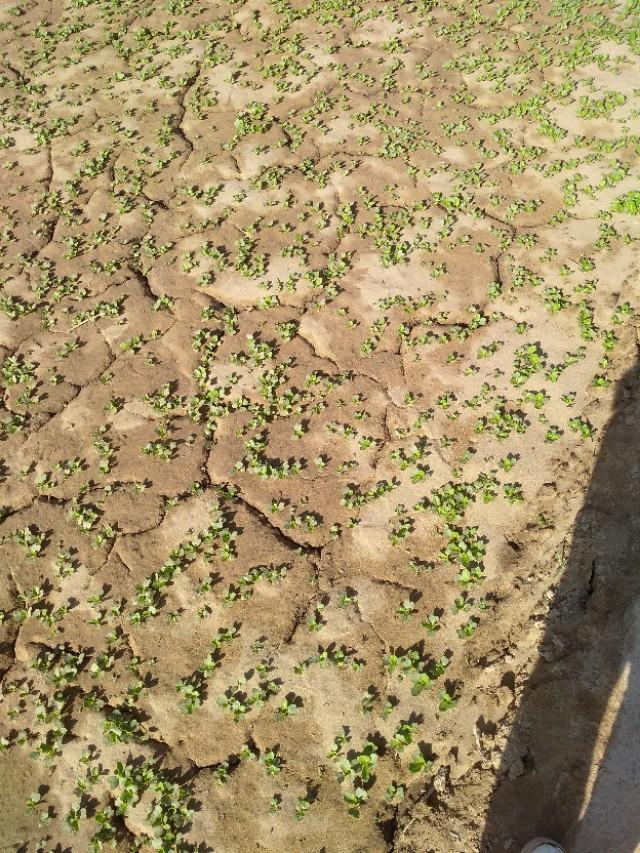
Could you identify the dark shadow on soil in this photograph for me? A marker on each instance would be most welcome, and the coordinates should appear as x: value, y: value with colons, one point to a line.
x: 591, y: 640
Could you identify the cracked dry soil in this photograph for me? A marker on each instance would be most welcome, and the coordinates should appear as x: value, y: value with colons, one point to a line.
x: 313, y: 317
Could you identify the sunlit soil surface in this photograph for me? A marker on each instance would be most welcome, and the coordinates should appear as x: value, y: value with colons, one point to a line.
x: 312, y: 318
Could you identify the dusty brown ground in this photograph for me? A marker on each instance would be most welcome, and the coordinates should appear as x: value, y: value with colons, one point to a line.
x: 313, y: 320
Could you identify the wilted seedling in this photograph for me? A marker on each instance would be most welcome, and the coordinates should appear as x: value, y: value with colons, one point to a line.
x: 367, y: 702
x: 468, y: 629
x: 221, y: 773
x: 288, y: 707
x: 406, y: 609
x: 394, y: 792
x: 31, y: 540
x: 419, y: 764
x: 191, y: 693
x: 355, y: 800
x: 363, y: 764
x: 528, y: 360
x: 421, y: 682
x: 347, y: 598
x: 431, y: 623
x: 402, y: 737
x: 302, y: 807
x: 272, y: 762
x: 447, y: 701
x: 582, y: 426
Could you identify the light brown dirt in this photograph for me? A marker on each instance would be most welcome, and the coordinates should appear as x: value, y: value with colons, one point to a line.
x: 269, y: 276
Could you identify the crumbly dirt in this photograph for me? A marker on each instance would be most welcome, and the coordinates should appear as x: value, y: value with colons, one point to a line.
x: 318, y: 442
